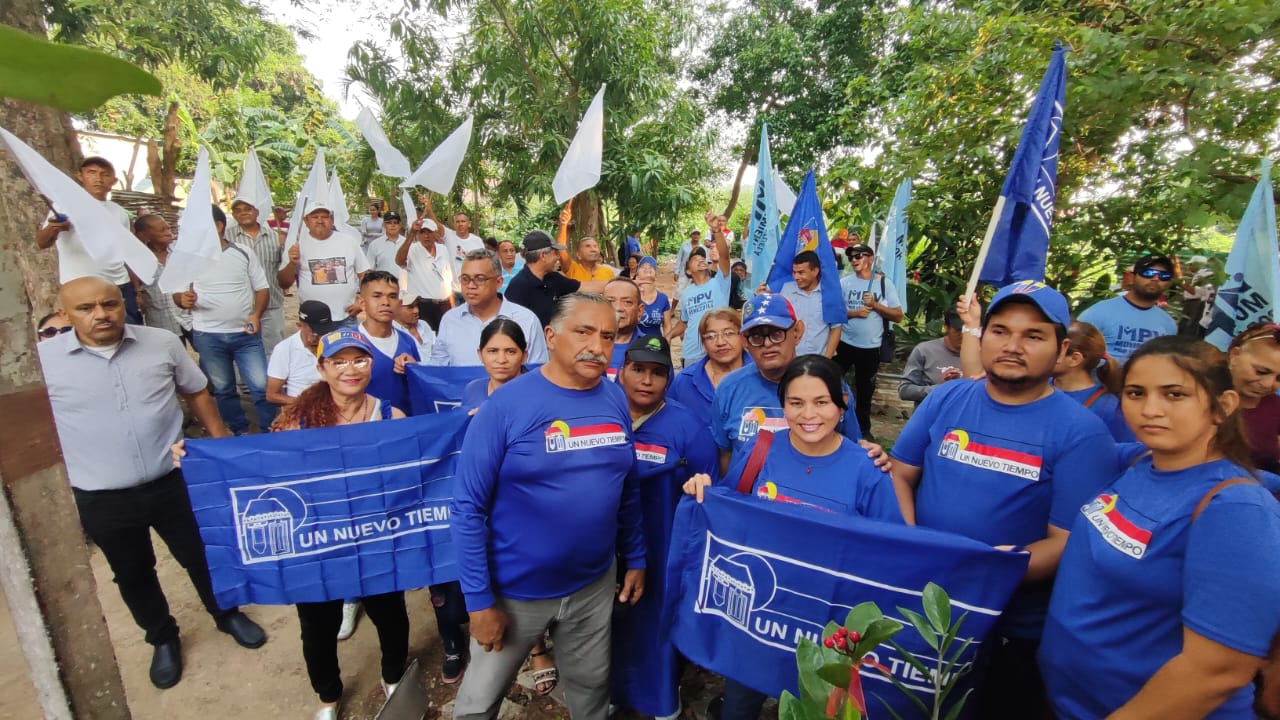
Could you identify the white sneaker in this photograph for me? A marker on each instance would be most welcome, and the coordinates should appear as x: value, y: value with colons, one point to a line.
x: 389, y: 688
x: 349, y: 613
x: 327, y: 712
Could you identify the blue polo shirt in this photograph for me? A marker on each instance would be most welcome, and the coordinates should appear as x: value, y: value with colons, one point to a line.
x: 692, y: 388
x: 1001, y: 474
x: 1137, y: 570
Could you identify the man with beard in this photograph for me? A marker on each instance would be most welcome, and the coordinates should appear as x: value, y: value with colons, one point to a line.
x: 1008, y: 460
x: 1134, y: 318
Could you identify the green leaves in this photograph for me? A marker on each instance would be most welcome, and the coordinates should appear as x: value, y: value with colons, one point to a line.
x: 72, y: 79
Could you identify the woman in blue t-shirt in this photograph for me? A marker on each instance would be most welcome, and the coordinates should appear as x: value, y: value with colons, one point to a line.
x: 656, y: 306
x: 1088, y: 375
x: 809, y: 464
x: 1164, y: 603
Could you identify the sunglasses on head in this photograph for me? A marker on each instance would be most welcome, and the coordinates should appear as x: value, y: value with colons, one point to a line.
x: 1164, y: 275
x: 51, y: 331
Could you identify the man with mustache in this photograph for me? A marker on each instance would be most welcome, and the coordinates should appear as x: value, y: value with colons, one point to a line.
x: 550, y: 440
x: 1008, y: 460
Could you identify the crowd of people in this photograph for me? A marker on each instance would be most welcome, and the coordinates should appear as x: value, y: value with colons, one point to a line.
x: 1131, y: 465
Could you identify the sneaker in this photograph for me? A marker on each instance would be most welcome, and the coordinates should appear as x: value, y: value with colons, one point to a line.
x: 349, y: 613
x: 327, y: 712
x: 389, y: 688
x: 453, y: 668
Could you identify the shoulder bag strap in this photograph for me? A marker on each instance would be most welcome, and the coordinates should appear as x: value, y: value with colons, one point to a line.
x: 1204, y: 501
x: 1094, y: 397
x: 764, y: 440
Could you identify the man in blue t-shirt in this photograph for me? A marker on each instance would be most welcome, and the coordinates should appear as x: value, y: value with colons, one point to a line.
x: 1008, y: 461
x: 1135, y: 317
x: 379, y: 298
x: 545, y: 497
x: 708, y: 289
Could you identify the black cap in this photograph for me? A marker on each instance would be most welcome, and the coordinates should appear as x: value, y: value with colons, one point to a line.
x: 1151, y: 260
x: 649, y: 348
x: 391, y: 216
x: 538, y: 240
x: 317, y: 317
x: 860, y: 248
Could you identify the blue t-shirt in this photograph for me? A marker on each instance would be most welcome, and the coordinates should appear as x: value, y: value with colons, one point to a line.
x: 475, y: 393
x: 651, y: 315
x: 1001, y: 474
x: 845, y: 482
x: 1137, y: 570
x: 633, y: 247
x: 866, y: 332
x: 692, y: 388
x: 747, y: 403
x: 385, y: 383
x: 616, y: 360
x: 536, y: 452
x: 508, y: 274
x: 695, y: 301
x: 1126, y: 326
x: 1106, y: 407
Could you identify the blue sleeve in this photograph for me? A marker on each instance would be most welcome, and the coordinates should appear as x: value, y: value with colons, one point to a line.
x: 1085, y: 466
x: 700, y: 453
x: 631, y: 544
x: 877, y: 500
x: 913, y: 441
x: 1231, y: 575
x: 720, y: 418
x: 850, y: 427
x: 737, y: 466
x: 474, y: 488
x: 1128, y: 454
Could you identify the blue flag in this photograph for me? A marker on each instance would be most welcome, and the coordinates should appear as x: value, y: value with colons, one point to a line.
x: 1020, y: 242
x: 438, y: 388
x: 326, y: 514
x: 762, y: 238
x: 892, y: 252
x: 807, y: 230
x: 1251, y: 292
x: 755, y: 577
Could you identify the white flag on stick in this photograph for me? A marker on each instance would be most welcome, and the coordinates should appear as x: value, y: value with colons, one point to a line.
x: 786, y: 199
x: 410, y: 210
x: 315, y: 186
x: 341, y: 215
x: 390, y: 160
x: 99, y: 230
x: 198, y: 244
x: 440, y: 169
x: 253, y: 187
x: 580, y: 169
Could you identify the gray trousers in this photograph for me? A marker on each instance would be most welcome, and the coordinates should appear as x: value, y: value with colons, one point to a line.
x: 582, y: 639
x: 272, y: 330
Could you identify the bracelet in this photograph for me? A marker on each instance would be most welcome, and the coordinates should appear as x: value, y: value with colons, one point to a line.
x: 976, y: 331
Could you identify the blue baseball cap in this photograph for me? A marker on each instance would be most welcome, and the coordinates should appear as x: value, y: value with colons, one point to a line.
x: 768, y: 309
x: 1051, y: 302
x: 647, y: 260
x: 331, y: 343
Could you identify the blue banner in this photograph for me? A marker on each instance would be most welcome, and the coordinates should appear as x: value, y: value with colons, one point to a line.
x: 755, y: 577
x: 762, y: 237
x: 1251, y: 292
x: 437, y: 389
x: 1020, y: 242
x: 326, y: 514
x: 892, y: 252
x: 807, y: 230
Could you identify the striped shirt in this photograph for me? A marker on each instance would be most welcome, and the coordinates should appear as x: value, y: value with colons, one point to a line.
x: 162, y: 312
x: 267, y: 249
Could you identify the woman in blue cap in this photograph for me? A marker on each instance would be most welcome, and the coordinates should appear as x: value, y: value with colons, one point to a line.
x: 655, y: 305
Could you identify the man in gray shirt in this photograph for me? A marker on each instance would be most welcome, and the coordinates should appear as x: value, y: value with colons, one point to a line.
x: 933, y: 362
x: 114, y: 392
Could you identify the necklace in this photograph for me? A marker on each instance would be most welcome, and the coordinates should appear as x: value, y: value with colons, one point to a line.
x: 360, y: 411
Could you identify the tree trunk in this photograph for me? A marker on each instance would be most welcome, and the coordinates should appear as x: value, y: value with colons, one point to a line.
x: 169, y: 158
x: 44, y: 564
x: 748, y: 154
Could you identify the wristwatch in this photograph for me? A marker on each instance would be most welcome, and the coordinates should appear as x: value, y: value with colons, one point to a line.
x: 974, y: 331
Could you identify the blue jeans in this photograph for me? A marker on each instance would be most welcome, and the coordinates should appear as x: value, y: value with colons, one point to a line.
x: 220, y: 355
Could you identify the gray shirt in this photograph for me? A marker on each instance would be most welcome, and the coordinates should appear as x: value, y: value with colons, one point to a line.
x: 118, y: 417
x: 266, y: 248
x: 923, y: 371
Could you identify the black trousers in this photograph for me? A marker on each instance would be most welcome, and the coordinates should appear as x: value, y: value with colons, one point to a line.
x: 1013, y: 688
x: 865, y: 363
x: 320, y: 622
x: 432, y: 311
x: 120, y: 521
x: 451, y: 614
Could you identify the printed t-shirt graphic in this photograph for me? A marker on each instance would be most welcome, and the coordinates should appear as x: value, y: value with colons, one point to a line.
x: 958, y: 446
x: 328, y: 271
x: 561, y: 437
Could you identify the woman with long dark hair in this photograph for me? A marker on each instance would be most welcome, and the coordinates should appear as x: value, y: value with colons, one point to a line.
x: 502, y: 352
x: 1088, y: 375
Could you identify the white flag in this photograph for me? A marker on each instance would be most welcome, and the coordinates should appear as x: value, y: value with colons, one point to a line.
x: 786, y: 199
x: 313, y: 188
x: 253, y: 187
x: 390, y: 160
x: 440, y: 169
x: 198, y: 244
x: 580, y: 169
x: 341, y: 216
x: 410, y: 211
x: 99, y: 230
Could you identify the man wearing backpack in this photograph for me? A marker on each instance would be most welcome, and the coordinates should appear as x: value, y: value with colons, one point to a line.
x: 871, y: 303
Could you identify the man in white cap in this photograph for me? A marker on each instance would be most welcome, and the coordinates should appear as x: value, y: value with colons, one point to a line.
x: 264, y: 244
x: 327, y: 265
x: 428, y: 269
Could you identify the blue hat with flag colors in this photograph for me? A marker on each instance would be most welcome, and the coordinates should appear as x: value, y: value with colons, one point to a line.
x: 1051, y: 302
x: 768, y: 309
x: 331, y: 343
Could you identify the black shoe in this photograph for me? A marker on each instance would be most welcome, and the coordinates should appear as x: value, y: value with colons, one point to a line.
x: 166, y: 664
x: 245, y: 631
x: 453, y: 667
x: 714, y: 707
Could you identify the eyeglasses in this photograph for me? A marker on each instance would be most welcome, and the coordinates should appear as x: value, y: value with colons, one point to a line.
x: 774, y: 336
x: 51, y: 331
x: 359, y: 363
x: 725, y: 335
x: 474, y: 279
x: 1164, y: 275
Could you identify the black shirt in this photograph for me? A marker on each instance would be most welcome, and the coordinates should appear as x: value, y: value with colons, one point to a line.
x: 540, y: 295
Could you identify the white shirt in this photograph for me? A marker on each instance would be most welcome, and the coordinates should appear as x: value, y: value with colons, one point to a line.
x: 224, y: 292
x: 329, y: 270
x: 382, y: 254
x: 74, y: 261
x: 386, y: 345
x: 458, y: 248
x: 459, y: 338
x: 429, y: 276
x: 426, y: 333
x: 295, y: 364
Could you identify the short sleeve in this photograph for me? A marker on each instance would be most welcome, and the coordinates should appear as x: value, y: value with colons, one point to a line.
x: 876, y: 498
x: 187, y: 375
x: 278, y: 363
x: 720, y: 418
x: 913, y: 441
x: 565, y: 285
x: 1085, y: 466
x: 257, y: 278
x: 891, y: 298
x: 1232, y: 570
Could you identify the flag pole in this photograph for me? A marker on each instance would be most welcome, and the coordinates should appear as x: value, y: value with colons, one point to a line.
x: 986, y: 247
